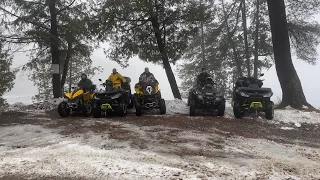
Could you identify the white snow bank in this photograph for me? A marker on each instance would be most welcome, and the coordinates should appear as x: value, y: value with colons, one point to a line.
x: 45, y: 105
x: 14, y: 99
x: 177, y: 106
x: 297, y: 117
x: 228, y: 113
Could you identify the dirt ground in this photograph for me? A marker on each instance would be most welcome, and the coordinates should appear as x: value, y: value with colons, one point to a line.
x: 307, y: 134
x: 165, y: 131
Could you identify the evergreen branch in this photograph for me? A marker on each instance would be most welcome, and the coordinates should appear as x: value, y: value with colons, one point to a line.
x: 24, y: 19
x: 132, y: 20
x: 65, y: 8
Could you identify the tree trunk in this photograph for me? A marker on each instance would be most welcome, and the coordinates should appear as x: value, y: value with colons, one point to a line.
x: 256, y: 42
x: 70, y: 75
x: 245, y: 33
x: 202, y: 35
x: 54, y: 50
x: 292, y: 92
x: 165, y: 59
x: 66, y: 64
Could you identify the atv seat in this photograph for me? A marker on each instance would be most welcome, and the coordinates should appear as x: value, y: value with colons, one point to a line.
x: 254, y: 90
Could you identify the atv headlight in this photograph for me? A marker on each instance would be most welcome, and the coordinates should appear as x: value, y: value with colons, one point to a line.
x: 269, y: 94
x: 200, y: 97
x: 244, y: 94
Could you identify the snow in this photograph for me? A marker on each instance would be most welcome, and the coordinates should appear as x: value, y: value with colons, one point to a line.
x: 177, y: 106
x: 286, y: 128
x: 40, y: 106
x: 296, y: 117
x: 14, y: 99
x: 38, y: 152
x: 228, y: 113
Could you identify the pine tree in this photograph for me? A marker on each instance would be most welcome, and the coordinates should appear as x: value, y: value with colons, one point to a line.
x: 7, y: 75
x: 156, y: 31
x: 292, y: 92
x: 34, y: 24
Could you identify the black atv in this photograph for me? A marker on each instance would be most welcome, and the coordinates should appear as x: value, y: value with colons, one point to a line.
x: 249, y: 96
x: 148, y: 96
x: 206, y: 98
x: 111, y: 100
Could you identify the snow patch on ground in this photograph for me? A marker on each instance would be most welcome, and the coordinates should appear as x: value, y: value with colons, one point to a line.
x: 286, y: 128
x: 228, y: 113
x: 296, y: 117
x: 177, y: 106
x: 40, y: 106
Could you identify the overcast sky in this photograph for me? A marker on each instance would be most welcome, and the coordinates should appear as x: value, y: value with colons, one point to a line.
x: 24, y: 88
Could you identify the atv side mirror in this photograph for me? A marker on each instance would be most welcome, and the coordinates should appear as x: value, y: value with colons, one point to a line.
x: 261, y: 74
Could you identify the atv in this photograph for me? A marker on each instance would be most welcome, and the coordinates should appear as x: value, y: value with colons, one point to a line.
x: 148, y: 96
x: 112, y: 100
x: 206, y: 98
x: 249, y: 96
x: 78, y: 101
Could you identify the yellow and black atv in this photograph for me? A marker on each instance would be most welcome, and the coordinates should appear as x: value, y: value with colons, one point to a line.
x: 148, y: 96
x: 78, y: 101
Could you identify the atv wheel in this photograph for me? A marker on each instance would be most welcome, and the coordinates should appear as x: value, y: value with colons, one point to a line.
x: 192, y: 111
x: 122, y: 109
x: 162, y: 106
x: 131, y: 102
x: 138, y: 109
x: 221, y: 109
x: 63, y: 109
x: 270, y: 111
x: 96, y: 111
x: 237, y: 111
x: 87, y: 109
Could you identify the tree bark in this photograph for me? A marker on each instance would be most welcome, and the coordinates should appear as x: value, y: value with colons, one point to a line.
x: 292, y: 92
x: 165, y: 59
x: 256, y: 42
x: 66, y: 64
x: 245, y: 34
x: 70, y: 75
x: 54, y: 49
x: 202, y: 35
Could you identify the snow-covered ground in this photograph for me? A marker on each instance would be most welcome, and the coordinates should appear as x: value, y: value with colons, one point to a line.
x: 38, y: 152
x: 33, y: 151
